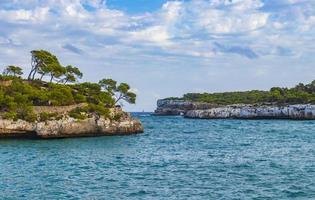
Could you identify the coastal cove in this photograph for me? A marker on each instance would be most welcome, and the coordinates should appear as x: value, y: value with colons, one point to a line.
x: 175, y: 158
x: 52, y: 103
x: 157, y: 100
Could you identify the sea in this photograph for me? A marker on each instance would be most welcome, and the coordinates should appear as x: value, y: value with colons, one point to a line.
x: 175, y: 158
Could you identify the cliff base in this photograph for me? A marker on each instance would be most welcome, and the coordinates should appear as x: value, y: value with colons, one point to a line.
x: 69, y: 127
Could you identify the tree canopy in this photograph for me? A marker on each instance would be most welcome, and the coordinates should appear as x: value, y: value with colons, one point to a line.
x: 300, y: 94
x: 18, y: 98
x: 45, y: 63
x: 72, y: 74
x: 13, y: 70
x: 121, y: 91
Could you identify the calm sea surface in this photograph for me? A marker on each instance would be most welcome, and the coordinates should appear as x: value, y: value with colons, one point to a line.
x: 175, y: 158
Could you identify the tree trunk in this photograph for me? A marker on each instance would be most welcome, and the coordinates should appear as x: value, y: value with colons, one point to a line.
x: 34, y: 73
x: 51, y: 78
x: 30, y: 74
x: 66, y: 81
x: 118, y: 99
x: 41, y: 78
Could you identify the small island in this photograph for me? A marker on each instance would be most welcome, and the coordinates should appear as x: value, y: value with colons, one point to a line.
x: 296, y: 103
x: 51, y: 103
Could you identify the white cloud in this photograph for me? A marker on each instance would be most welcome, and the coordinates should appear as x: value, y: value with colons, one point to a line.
x: 171, y: 28
x: 155, y: 34
x: 195, y: 37
x: 25, y: 16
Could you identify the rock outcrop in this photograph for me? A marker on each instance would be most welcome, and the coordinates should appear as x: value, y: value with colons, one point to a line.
x: 239, y: 111
x: 178, y: 107
x: 69, y: 127
x: 297, y: 112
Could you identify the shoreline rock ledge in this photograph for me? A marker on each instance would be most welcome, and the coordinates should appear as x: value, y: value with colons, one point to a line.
x: 238, y: 111
x: 69, y: 127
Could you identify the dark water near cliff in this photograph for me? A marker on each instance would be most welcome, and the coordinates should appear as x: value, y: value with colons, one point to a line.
x: 175, y: 158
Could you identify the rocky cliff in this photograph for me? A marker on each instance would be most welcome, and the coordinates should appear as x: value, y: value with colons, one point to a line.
x: 69, y: 127
x: 297, y: 112
x: 178, y: 107
x: 239, y: 111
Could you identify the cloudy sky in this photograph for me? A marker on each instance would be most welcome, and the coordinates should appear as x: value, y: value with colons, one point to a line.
x: 167, y: 48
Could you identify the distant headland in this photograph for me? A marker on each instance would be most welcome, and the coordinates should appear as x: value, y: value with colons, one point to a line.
x: 277, y: 103
x: 51, y: 103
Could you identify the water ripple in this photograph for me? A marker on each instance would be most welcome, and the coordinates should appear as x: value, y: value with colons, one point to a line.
x: 175, y: 158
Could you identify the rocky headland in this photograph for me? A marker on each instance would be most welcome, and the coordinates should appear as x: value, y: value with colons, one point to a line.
x: 236, y: 111
x: 66, y: 126
x: 51, y: 102
x: 178, y: 107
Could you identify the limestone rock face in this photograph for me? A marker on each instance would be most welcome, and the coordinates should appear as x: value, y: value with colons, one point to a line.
x: 237, y: 111
x: 69, y: 127
x: 178, y: 107
x: 298, y: 112
x: 20, y: 128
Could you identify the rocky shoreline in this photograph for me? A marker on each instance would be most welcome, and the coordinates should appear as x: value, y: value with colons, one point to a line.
x: 238, y: 111
x: 69, y: 127
x: 294, y: 112
x: 178, y: 107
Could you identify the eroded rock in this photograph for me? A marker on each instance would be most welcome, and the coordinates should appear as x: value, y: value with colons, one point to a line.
x: 298, y: 112
x: 69, y: 127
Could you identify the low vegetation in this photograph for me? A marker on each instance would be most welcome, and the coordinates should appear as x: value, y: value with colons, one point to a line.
x: 300, y: 94
x: 51, y: 84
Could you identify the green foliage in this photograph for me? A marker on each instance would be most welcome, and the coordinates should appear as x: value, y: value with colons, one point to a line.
x: 90, y: 110
x: 79, y: 98
x: 72, y: 74
x: 108, y: 85
x: 300, y: 94
x: 8, y: 77
x: 121, y: 91
x: 27, y: 115
x: 18, y: 96
x: 80, y: 116
x: 6, y: 102
x: 13, y: 70
x: 10, y: 115
x: 45, y: 63
x: 117, y: 117
x: 99, y: 110
x: 79, y: 113
x: 60, y: 95
x: 44, y: 116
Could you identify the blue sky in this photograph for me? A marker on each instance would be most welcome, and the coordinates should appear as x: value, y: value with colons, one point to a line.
x: 135, y: 6
x: 167, y: 48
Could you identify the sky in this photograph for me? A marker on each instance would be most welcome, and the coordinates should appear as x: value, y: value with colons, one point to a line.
x: 167, y: 48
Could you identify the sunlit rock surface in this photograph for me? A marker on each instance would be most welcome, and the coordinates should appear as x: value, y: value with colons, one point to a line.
x: 178, y: 107
x: 69, y: 127
x: 255, y: 112
x: 238, y: 111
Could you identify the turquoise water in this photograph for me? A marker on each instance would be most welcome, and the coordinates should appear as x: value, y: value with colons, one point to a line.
x: 175, y: 158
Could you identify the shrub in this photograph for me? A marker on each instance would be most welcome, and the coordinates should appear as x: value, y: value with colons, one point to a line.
x: 99, y: 110
x: 79, y: 113
x: 30, y: 117
x: 79, y: 98
x: 44, y: 116
x: 117, y: 117
x: 26, y: 113
x: 60, y: 95
x: 10, y: 115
